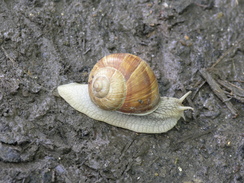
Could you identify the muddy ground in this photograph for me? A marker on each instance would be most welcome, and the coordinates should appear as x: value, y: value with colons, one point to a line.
x: 189, y: 44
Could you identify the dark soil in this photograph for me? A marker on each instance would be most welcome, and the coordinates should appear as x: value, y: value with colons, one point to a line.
x: 47, y: 43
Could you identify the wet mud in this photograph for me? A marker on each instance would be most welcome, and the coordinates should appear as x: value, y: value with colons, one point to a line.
x: 190, y: 45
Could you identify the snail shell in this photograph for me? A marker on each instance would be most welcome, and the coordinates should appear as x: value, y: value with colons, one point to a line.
x: 125, y: 83
x: 123, y: 91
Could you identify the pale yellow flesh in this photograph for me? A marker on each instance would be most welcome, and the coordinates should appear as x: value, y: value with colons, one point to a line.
x: 157, y: 122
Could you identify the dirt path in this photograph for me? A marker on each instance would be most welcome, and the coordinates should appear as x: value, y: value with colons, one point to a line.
x: 190, y: 46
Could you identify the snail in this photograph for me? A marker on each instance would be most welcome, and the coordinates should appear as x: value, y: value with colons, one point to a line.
x: 122, y: 90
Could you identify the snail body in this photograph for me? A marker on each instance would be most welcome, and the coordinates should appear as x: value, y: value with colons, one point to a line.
x: 122, y: 90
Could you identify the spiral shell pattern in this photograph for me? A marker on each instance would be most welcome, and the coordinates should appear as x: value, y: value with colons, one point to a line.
x: 125, y: 83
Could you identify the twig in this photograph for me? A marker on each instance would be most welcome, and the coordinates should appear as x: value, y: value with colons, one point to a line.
x: 226, y: 53
x: 218, y: 91
x: 235, y: 91
x: 197, y: 134
x: 198, y: 86
x: 7, y: 55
